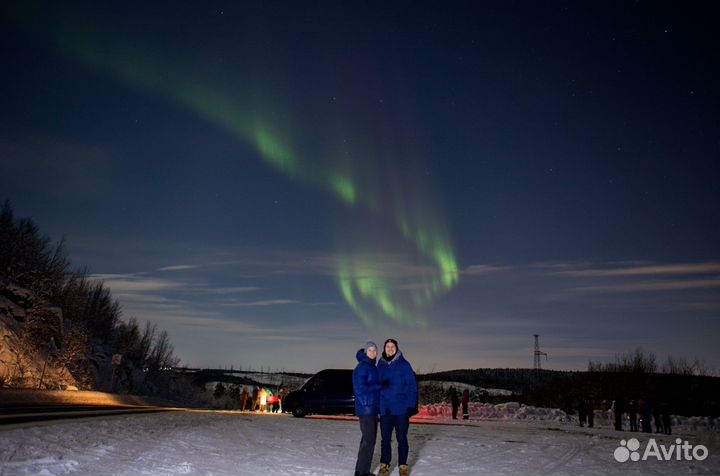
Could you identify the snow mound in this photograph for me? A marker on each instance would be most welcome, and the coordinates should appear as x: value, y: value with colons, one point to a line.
x: 500, y: 411
x: 459, y: 386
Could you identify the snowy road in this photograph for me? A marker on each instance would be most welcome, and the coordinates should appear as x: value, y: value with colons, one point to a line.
x: 207, y: 443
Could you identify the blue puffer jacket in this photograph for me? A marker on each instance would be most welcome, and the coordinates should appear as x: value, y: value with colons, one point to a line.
x: 402, y: 392
x: 366, y: 386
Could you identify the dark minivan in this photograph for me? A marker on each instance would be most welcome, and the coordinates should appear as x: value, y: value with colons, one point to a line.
x: 328, y: 392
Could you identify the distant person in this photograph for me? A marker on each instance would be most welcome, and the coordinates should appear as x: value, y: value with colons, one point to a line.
x: 263, y: 400
x: 590, y: 408
x: 633, y: 414
x: 454, y: 402
x: 255, y: 398
x: 276, y: 403
x: 582, y: 412
x: 658, y: 420
x: 270, y: 401
x: 244, y: 399
x: 281, y: 396
x: 398, y: 402
x: 465, y: 401
x: 665, y: 414
x: 366, y: 386
x: 617, y: 411
x: 645, y: 416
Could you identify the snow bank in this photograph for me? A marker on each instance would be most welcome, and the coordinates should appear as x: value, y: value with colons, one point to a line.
x: 500, y: 411
x: 459, y: 386
x: 519, y: 411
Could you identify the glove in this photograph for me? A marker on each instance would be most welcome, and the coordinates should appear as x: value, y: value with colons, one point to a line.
x: 412, y: 411
x: 385, y: 384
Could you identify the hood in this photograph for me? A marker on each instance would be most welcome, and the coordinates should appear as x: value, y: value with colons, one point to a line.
x: 361, y: 356
x: 398, y: 357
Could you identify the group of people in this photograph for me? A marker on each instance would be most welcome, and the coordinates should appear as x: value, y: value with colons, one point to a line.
x: 639, y: 410
x: 384, y: 387
x: 455, y: 403
x: 660, y: 414
x: 262, y: 400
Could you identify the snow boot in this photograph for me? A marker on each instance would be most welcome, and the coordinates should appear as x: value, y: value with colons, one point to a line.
x: 404, y: 470
x: 384, y: 469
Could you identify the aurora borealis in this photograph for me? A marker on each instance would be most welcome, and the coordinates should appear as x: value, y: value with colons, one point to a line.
x: 280, y: 174
x: 355, y: 176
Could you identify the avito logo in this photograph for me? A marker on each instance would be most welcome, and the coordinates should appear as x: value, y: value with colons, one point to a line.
x: 629, y: 450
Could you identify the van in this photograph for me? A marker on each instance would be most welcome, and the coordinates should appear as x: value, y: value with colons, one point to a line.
x: 328, y: 392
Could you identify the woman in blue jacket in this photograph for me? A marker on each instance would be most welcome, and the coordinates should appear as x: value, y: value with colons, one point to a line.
x: 398, y: 402
x: 367, y: 405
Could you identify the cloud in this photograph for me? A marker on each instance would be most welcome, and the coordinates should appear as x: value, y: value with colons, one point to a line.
x: 235, y: 290
x: 649, y: 286
x: 652, y: 270
x: 637, y: 277
x: 580, y: 352
x: 125, y: 285
x: 178, y: 267
x: 482, y: 269
x: 145, y: 298
x: 268, y: 302
x: 384, y: 265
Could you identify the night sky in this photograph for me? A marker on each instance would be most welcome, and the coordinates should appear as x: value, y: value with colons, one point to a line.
x: 275, y: 183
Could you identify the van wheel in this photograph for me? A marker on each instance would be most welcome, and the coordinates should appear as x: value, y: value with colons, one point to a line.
x: 299, y: 411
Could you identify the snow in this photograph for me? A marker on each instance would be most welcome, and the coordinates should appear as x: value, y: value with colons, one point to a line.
x: 504, y: 411
x: 242, y: 443
x: 459, y: 386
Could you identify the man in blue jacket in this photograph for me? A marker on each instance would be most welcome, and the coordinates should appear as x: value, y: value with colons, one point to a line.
x: 367, y: 405
x: 398, y: 402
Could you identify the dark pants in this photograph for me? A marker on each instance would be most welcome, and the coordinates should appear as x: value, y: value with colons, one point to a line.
x: 666, y: 424
x: 401, y: 424
x: 368, y: 427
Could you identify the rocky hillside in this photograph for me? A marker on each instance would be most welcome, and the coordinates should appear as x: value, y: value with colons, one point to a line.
x: 31, y: 332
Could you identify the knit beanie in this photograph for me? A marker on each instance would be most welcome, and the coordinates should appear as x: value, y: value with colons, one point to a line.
x: 393, y: 341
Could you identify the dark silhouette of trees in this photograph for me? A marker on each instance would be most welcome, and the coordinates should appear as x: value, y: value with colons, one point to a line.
x: 28, y: 259
x: 638, y: 361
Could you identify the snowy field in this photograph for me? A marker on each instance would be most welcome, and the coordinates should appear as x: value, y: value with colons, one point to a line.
x: 216, y: 443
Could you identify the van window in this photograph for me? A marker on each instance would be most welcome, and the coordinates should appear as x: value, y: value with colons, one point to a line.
x: 341, y: 382
x: 318, y: 383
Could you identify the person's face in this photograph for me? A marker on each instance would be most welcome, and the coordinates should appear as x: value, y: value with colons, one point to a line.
x: 372, y: 353
x: 390, y: 349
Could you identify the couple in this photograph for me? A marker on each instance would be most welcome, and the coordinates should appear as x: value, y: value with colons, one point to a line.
x: 390, y: 390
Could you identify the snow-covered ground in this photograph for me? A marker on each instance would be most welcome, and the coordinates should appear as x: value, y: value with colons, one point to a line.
x: 234, y: 443
x: 459, y: 386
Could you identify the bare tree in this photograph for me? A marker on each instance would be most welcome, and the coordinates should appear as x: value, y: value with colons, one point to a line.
x: 637, y: 361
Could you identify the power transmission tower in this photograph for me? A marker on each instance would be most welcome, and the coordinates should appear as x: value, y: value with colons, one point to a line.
x: 537, y: 365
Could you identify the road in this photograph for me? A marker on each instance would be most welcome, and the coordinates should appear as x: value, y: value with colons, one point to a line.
x: 15, y: 415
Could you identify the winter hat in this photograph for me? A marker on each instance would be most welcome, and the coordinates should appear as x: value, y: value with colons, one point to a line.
x: 393, y: 341
x: 370, y: 345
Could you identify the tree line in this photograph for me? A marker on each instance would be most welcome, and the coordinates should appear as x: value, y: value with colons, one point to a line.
x: 91, y: 317
x: 642, y: 361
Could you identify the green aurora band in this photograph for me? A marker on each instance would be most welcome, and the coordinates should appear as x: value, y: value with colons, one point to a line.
x: 425, y: 265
